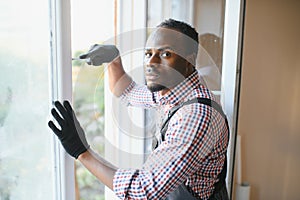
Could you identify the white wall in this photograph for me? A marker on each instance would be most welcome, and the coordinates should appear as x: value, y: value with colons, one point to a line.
x: 270, y: 96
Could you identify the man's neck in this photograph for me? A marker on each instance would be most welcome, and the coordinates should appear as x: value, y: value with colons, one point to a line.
x: 165, y: 91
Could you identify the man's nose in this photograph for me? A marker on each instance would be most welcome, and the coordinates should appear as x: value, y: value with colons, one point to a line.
x: 153, y: 60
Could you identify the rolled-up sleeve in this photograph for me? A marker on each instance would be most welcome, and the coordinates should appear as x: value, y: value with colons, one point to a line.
x: 138, y: 95
x: 132, y: 184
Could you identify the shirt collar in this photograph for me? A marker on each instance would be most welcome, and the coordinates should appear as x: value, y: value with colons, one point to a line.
x: 181, y: 91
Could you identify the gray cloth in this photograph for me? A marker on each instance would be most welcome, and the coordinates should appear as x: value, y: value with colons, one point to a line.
x: 222, y: 194
x: 182, y: 193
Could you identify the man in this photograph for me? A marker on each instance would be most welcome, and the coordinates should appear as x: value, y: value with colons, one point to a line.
x: 189, y: 160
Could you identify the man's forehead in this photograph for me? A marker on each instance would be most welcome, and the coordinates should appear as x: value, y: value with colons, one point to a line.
x: 164, y: 33
x: 165, y: 38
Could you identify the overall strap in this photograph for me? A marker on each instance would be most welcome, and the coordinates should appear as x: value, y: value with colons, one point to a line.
x: 173, y: 110
x: 221, y: 176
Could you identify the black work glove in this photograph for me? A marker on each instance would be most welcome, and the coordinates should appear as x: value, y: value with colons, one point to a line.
x: 99, y: 54
x: 71, y: 135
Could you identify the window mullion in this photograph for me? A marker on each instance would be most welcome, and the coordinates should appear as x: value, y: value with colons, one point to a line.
x: 61, y: 89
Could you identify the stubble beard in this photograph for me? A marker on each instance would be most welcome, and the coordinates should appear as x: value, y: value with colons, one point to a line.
x: 155, y: 87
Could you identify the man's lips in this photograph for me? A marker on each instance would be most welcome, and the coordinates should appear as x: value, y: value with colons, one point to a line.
x: 152, y: 76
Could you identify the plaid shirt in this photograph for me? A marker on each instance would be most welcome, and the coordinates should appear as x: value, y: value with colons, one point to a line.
x: 193, y: 151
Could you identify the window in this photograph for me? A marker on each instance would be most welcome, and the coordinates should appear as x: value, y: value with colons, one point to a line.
x: 106, y: 121
x: 26, y: 161
x: 90, y: 25
x: 36, y: 68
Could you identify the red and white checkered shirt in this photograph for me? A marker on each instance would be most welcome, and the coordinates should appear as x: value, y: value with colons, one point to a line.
x: 193, y: 151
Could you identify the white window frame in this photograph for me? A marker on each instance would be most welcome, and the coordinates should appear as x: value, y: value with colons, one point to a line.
x: 231, y: 73
x: 61, y: 84
x: 61, y: 89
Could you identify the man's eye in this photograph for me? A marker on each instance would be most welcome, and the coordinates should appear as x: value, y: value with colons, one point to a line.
x: 166, y: 54
x: 147, y: 54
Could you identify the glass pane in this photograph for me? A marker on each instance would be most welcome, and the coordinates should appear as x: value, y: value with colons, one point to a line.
x: 92, y: 22
x: 25, y: 141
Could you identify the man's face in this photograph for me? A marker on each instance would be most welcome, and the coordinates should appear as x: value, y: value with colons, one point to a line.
x: 164, y: 61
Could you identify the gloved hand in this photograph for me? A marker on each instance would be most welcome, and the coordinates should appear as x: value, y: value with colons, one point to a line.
x: 71, y: 135
x: 99, y: 54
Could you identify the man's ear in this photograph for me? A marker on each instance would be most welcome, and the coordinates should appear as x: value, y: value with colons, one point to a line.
x: 191, y: 59
x: 191, y: 62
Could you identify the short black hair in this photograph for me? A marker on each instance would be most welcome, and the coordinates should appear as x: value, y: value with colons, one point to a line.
x: 184, y: 28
